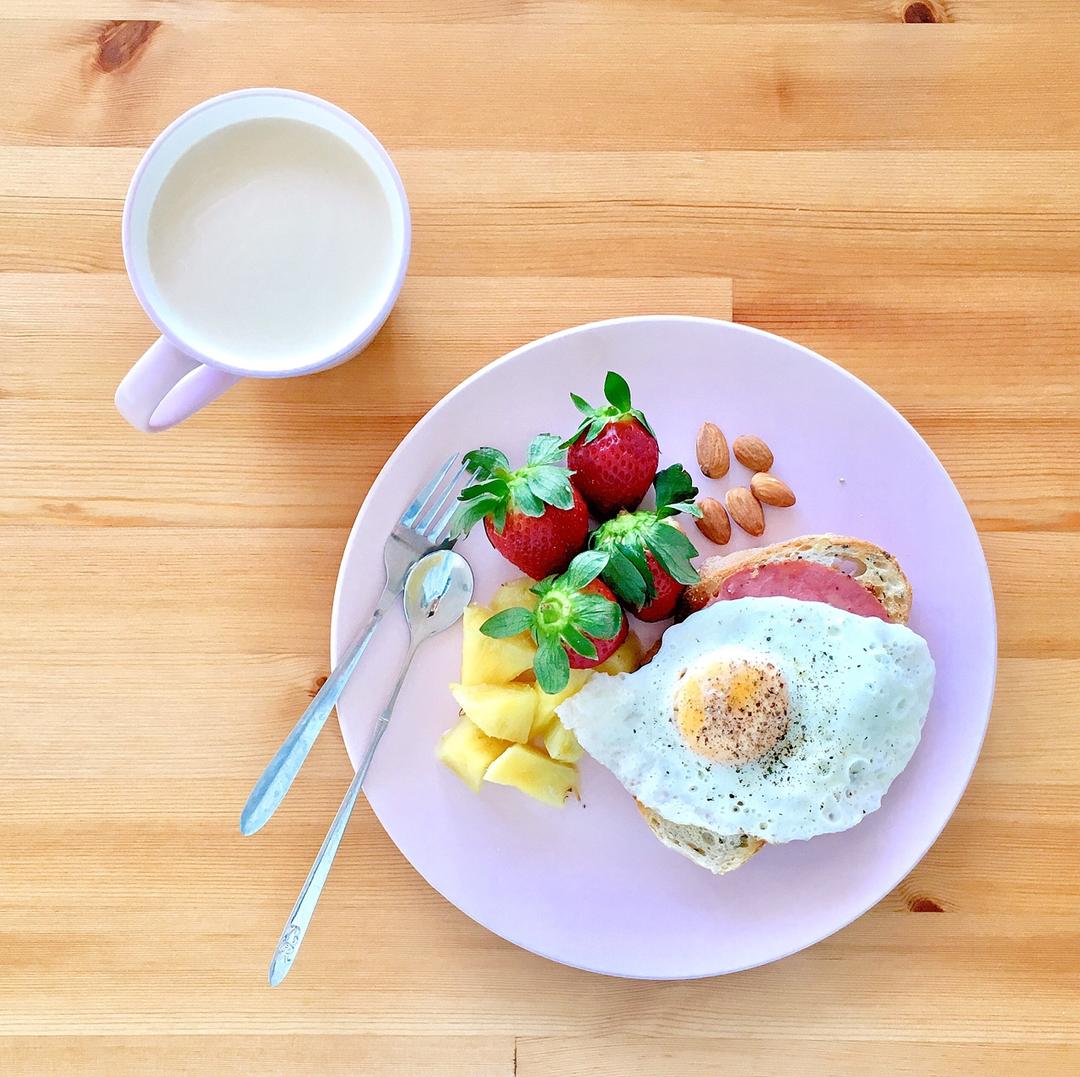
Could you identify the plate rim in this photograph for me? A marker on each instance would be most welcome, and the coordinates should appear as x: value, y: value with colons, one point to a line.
x: 985, y: 707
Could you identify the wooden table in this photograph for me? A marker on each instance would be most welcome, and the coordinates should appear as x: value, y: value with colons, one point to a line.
x: 903, y: 198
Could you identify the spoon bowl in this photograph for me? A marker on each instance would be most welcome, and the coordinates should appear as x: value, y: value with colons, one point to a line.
x: 437, y: 591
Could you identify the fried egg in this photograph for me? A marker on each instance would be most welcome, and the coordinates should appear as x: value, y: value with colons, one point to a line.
x: 773, y: 717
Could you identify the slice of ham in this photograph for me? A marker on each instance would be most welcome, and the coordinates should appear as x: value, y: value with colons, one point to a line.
x: 807, y: 580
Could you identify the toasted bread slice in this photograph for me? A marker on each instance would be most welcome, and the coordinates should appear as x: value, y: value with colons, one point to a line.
x: 878, y: 571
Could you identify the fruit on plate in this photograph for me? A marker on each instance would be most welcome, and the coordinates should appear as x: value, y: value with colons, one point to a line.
x: 546, y: 704
x: 561, y: 744
x: 500, y: 709
x: 468, y: 751
x: 533, y: 516
x: 533, y: 773
x: 503, y: 711
x: 648, y: 555
x: 517, y: 592
x: 577, y: 622
x: 489, y: 661
x: 626, y: 659
x: 613, y: 453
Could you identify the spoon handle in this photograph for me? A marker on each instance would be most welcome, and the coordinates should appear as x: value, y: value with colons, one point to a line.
x: 300, y: 917
x: 275, y: 780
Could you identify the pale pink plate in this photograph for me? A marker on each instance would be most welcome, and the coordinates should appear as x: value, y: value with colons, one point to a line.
x: 589, y: 886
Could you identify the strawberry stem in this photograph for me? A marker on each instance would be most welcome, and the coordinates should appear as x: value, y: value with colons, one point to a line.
x: 631, y: 535
x: 566, y: 617
x: 619, y: 408
x: 498, y: 490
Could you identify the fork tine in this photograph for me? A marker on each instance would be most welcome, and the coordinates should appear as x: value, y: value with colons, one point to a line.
x: 440, y: 533
x: 450, y: 492
x: 408, y: 517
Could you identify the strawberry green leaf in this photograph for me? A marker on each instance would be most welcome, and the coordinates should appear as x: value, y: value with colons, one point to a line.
x: 689, y: 507
x: 635, y: 553
x: 624, y: 579
x: 551, y: 485
x: 617, y: 391
x: 578, y: 642
x: 673, y: 550
x: 492, y: 486
x: 544, y: 449
x: 587, y: 433
x: 469, y: 513
x: 596, y: 428
x: 581, y: 404
x: 597, y: 616
x: 498, y: 516
x: 674, y: 487
x: 543, y: 586
x: 551, y: 665
x: 485, y: 460
x: 584, y: 568
x: 640, y: 416
x: 509, y: 622
x: 527, y: 502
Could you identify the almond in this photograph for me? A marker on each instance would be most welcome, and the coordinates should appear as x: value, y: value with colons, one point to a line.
x: 713, y: 522
x: 712, y: 451
x: 770, y: 490
x: 745, y: 510
x: 752, y: 452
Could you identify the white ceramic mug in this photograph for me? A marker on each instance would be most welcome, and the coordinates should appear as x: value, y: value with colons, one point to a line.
x: 189, y: 366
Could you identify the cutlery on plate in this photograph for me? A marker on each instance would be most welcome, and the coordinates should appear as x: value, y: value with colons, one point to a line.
x: 424, y: 526
x: 437, y: 590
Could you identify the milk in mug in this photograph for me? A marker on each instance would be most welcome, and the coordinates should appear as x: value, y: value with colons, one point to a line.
x: 269, y: 240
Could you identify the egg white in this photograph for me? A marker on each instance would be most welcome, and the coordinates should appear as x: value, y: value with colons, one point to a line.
x: 859, y: 691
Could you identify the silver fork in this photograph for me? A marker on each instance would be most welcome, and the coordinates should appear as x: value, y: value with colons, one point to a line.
x: 424, y: 526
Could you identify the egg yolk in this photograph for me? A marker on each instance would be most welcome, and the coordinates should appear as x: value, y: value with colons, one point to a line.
x: 732, y: 710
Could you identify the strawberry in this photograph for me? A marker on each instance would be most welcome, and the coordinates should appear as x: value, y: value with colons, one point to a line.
x: 648, y: 555
x: 576, y: 624
x: 613, y: 453
x: 533, y: 516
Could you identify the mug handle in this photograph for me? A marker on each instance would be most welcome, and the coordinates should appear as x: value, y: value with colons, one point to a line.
x: 166, y: 386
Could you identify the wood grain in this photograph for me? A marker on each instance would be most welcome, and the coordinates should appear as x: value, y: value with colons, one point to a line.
x: 904, y: 198
x: 616, y: 13
x: 240, y: 1056
x: 592, y: 1058
x: 471, y: 85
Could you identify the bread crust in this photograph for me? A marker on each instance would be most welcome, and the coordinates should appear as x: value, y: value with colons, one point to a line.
x: 876, y: 569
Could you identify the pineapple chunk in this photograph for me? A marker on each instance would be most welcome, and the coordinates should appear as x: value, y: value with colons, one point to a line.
x: 515, y: 593
x: 534, y: 774
x: 545, y: 704
x: 561, y: 743
x: 491, y: 661
x: 504, y: 711
x: 468, y: 751
x: 626, y: 659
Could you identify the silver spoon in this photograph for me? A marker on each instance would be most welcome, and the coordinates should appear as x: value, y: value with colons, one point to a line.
x: 437, y: 590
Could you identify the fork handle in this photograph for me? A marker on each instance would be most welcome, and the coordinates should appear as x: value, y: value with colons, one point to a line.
x: 300, y: 917
x: 275, y: 780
